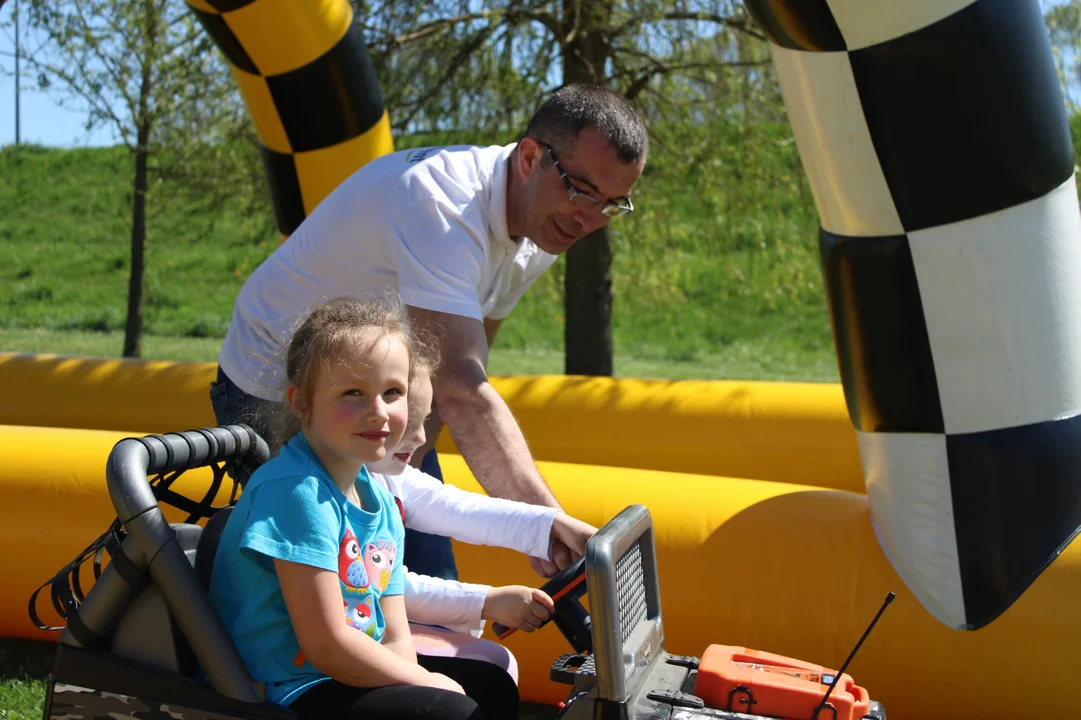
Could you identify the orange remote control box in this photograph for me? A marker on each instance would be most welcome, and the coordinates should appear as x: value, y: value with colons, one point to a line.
x: 736, y: 679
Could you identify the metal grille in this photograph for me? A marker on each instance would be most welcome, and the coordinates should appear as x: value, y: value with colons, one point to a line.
x: 631, y: 590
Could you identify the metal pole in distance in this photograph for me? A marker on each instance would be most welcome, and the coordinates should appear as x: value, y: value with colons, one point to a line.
x: 17, y: 72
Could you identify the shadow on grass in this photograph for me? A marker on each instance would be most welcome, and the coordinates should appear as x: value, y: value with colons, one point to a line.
x: 25, y: 664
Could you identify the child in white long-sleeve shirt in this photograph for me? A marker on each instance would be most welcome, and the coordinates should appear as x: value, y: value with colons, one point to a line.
x: 446, y: 616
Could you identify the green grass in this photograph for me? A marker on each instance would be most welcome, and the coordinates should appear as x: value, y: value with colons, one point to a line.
x: 714, y: 275
x: 23, y: 667
x: 760, y: 359
x: 65, y: 245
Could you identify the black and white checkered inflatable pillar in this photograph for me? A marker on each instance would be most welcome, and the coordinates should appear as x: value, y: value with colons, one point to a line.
x: 935, y: 139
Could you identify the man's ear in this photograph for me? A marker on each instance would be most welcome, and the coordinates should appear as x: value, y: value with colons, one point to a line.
x: 529, y: 156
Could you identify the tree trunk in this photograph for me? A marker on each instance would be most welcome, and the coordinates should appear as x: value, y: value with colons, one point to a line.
x: 133, y: 329
x: 587, y: 300
x: 588, y: 306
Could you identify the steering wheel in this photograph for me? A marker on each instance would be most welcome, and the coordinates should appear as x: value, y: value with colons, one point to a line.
x: 572, y: 619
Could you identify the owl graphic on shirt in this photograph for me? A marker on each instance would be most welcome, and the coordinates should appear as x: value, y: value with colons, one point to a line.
x: 351, y: 570
x: 357, y: 571
x: 379, y: 558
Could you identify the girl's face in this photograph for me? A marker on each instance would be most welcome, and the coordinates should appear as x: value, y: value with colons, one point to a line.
x: 420, y: 407
x: 358, y: 408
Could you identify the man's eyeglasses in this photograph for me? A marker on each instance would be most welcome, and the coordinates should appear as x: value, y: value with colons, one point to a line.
x: 584, y: 200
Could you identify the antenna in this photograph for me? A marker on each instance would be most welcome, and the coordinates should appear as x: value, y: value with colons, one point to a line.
x: 826, y: 697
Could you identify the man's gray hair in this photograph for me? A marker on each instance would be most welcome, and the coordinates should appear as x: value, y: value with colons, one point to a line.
x: 573, y: 108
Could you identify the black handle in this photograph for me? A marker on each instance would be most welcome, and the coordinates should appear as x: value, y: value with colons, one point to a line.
x: 565, y: 589
x: 132, y: 460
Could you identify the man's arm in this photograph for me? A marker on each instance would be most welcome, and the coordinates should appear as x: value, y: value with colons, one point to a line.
x: 434, y: 424
x: 479, y: 420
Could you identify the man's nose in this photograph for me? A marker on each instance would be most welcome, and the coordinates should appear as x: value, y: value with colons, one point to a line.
x: 590, y: 220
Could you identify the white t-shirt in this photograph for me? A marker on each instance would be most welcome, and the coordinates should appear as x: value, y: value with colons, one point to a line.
x: 438, y: 509
x: 429, y: 224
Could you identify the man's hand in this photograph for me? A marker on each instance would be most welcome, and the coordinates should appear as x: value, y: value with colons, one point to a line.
x: 544, y: 568
x: 572, y: 533
x: 517, y: 606
x: 569, y: 536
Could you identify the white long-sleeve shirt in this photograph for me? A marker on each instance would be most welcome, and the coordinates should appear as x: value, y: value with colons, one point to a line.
x: 438, y: 509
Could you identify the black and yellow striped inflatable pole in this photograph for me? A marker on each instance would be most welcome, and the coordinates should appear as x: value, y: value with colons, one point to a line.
x: 310, y: 88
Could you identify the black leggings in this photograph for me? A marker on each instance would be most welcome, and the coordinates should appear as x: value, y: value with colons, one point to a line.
x: 490, y: 695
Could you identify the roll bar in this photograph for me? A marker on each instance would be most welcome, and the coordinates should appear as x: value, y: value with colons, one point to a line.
x: 151, y: 547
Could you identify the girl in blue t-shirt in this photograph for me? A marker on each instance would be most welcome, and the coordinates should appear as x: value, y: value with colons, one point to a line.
x: 308, y: 574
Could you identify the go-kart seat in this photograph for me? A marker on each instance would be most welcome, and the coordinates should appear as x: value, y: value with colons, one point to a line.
x: 208, y: 545
x: 146, y: 638
x: 147, y: 631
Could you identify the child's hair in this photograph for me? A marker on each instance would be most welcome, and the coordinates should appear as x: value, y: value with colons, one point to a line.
x: 324, y: 337
x: 426, y: 357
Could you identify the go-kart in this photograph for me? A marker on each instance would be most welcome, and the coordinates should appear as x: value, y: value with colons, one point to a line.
x: 145, y: 641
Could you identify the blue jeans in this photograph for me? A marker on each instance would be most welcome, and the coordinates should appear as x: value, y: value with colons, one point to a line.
x: 425, y: 554
x: 233, y: 406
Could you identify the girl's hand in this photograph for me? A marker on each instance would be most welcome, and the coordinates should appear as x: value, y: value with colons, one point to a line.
x: 441, y: 681
x: 517, y: 606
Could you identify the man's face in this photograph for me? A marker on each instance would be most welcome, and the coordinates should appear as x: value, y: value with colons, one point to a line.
x: 552, y: 221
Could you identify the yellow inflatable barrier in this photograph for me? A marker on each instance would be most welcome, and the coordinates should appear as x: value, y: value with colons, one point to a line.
x: 784, y: 432
x: 787, y: 568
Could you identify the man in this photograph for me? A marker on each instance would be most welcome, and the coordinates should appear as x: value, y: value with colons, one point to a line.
x: 460, y: 233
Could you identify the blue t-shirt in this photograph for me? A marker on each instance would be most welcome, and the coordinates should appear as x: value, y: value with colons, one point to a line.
x: 292, y: 510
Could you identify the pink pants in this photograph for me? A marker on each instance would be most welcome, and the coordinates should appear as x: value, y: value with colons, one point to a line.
x: 437, y: 641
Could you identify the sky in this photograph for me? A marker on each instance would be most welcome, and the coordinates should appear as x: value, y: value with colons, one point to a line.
x: 43, y: 120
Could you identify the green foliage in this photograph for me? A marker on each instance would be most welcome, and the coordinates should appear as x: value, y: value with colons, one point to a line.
x: 482, y: 68
x: 23, y: 668
x: 149, y: 71
x: 127, y: 63
x: 1063, y: 19
x: 64, y: 224
x: 720, y: 254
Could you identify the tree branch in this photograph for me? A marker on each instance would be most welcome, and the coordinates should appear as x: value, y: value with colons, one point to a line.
x: 742, y: 25
x: 198, y: 38
x: 509, y: 15
x: 114, y: 73
x: 660, y: 68
x: 97, y: 103
x: 468, y: 49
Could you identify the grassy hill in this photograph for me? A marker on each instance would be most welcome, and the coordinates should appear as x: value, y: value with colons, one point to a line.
x: 716, y: 275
